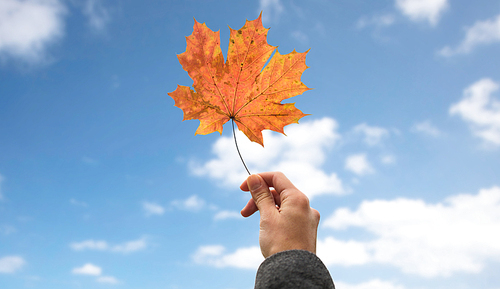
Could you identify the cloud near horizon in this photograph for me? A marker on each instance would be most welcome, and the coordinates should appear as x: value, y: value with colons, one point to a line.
x: 216, y: 256
x: 371, y: 284
x: 457, y: 235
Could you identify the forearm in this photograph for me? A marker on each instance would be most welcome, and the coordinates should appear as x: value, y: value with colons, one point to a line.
x: 293, y: 269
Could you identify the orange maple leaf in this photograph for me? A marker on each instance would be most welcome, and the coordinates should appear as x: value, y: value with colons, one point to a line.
x: 239, y: 89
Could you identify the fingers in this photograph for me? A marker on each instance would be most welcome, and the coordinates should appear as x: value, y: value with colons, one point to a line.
x: 262, y: 193
x: 261, y: 196
x: 273, y: 179
x: 250, y: 208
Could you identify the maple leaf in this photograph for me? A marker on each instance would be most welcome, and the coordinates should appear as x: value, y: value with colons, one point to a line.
x: 239, y: 89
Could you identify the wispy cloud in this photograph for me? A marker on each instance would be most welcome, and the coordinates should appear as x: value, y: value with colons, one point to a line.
x: 216, y: 256
x: 388, y: 159
x: 11, y: 264
x: 423, y: 10
x: 108, y: 280
x: 151, y: 209
x: 358, y: 164
x: 98, y: 16
x: 131, y: 246
x: 378, y: 21
x: 427, y: 128
x: 480, y: 110
x: 224, y: 215
x: 481, y: 33
x: 7, y: 230
x: 28, y: 28
x: 193, y: 203
x: 457, y: 235
x: 100, y: 245
x: 300, y: 36
x: 300, y: 155
x: 373, y: 135
x: 90, y: 161
x: 271, y: 10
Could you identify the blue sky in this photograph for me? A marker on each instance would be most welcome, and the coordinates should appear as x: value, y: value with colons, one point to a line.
x: 103, y: 186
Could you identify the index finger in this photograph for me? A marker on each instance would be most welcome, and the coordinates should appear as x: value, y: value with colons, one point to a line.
x: 277, y: 180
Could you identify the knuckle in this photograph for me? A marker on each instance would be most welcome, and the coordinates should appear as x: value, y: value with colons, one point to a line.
x: 316, y: 215
x: 302, y: 202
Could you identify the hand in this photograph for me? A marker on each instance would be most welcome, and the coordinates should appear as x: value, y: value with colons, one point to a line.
x: 287, y: 221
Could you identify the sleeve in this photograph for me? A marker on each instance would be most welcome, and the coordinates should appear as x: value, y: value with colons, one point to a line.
x: 293, y: 269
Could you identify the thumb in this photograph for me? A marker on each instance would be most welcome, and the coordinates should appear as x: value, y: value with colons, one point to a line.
x: 261, y: 194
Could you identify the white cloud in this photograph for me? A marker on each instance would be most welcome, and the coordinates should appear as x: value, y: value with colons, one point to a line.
x: 152, y: 209
x: 373, y: 134
x: 358, y: 164
x: 2, y: 178
x: 423, y: 10
x: 127, y: 247
x: 214, y: 255
x: 131, y: 246
x: 345, y: 253
x: 28, y: 27
x: 108, y: 280
x: 224, y: 215
x: 481, y: 33
x: 93, y: 270
x: 88, y: 269
x: 458, y: 235
x: 271, y: 9
x: 372, y: 284
x: 480, y: 110
x: 426, y: 127
x: 98, y: 16
x: 193, y: 203
x: 300, y: 155
x: 11, y: 264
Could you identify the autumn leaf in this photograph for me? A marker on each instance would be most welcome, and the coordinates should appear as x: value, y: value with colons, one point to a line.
x: 239, y: 89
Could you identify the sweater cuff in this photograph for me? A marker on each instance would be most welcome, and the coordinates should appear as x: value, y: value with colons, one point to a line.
x: 293, y: 269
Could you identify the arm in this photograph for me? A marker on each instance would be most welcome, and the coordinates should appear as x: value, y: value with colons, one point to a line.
x: 288, y: 228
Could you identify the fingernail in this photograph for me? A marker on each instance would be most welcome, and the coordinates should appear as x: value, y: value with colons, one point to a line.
x: 254, y: 182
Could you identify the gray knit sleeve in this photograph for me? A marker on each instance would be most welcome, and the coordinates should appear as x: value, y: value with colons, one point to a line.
x: 293, y: 269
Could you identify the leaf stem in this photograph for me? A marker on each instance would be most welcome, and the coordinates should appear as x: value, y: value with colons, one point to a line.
x: 236, y: 143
